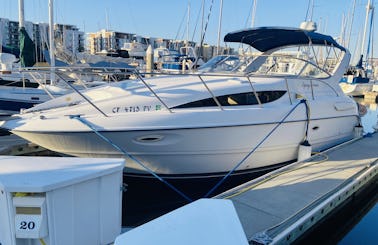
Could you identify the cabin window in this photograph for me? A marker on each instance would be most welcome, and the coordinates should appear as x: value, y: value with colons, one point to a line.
x: 248, y: 98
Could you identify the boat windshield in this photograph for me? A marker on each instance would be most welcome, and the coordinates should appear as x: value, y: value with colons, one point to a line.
x: 309, y: 62
x: 225, y: 63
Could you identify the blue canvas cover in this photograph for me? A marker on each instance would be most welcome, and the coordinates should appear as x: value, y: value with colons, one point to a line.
x: 267, y: 38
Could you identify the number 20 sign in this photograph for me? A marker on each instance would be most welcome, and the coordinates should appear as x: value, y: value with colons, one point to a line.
x: 28, y: 226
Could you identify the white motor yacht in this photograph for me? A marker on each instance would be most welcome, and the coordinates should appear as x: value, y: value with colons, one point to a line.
x: 235, y: 113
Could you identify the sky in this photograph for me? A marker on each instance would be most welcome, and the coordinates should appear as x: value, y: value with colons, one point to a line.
x: 168, y: 18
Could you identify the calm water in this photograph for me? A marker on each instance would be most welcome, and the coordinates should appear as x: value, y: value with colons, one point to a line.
x: 357, y: 223
x: 365, y: 231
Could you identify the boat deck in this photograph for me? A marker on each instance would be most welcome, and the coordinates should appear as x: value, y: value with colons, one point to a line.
x: 281, y: 206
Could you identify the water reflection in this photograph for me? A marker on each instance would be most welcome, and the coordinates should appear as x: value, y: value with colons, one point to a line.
x: 365, y: 231
x: 369, y: 121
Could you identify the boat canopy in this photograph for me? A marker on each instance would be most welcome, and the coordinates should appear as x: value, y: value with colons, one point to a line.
x: 267, y: 38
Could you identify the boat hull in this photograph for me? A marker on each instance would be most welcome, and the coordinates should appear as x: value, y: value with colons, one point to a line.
x: 357, y: 89
x: 200, y: 150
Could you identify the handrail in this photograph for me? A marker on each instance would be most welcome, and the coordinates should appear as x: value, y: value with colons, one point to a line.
x: 82, y: 95
x: 152, y: 91
x: 254, y: 92
x: 211, y: 93
x: 42, y: 85
x: 288, y: 91
x: 199, y: 75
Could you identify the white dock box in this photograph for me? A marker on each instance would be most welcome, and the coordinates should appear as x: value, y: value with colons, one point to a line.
x: 60, y: 200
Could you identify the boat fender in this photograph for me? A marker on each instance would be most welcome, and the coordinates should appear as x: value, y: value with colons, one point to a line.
x: 304, y: 151
x: 361, y: 110
x: 358, y: 131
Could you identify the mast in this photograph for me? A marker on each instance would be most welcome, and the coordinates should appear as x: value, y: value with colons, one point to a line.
x: 21, y: 16
x: 201, y: 32
x: 51, y: 40
x: 351, y: 23
x: 219, y: 25
x: 253, y: 13
x: 369, y: 7
x: 187, y: 27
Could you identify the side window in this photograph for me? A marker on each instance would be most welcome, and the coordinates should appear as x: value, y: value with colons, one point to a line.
x: 236, y: 99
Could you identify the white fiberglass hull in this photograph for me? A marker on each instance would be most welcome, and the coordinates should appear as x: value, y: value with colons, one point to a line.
x: 14, y: 99
x: 357, y: 89
x: 200, y: 150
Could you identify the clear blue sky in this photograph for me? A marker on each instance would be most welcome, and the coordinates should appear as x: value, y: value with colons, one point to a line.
x: 163, y: 18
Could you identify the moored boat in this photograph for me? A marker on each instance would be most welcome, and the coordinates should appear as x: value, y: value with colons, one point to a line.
x: 236, y: 114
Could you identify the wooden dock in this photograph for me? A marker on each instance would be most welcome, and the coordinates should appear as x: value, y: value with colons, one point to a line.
x: 280, y: 207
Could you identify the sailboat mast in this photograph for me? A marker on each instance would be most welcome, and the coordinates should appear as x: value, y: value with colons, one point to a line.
x: 51, y: 41
x: 351, y: 23
x: 21, y: 18
x: 201, y: 32
x: 187, y: 26
x: 253, y: 13
x: 219, y: 25
x: 368, y: 8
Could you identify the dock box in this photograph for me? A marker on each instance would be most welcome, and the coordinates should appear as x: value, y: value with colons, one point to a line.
x: 60, y: 200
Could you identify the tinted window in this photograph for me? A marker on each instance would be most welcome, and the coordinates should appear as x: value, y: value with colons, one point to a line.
x: 236, y: 99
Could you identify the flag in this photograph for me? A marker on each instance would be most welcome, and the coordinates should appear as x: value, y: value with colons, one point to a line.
x: 27, y: 53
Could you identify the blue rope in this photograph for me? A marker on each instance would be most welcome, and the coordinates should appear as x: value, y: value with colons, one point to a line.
x: 82, y: 120
x: 254, y: 149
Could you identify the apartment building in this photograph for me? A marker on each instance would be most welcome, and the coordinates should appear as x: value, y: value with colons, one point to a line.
x: 67, y: 37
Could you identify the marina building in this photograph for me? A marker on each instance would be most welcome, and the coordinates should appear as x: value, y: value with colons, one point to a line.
x: 68, y: 38
x: 113, y: 40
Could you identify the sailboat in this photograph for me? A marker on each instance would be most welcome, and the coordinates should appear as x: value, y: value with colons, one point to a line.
x: 15, y: 98
x: 356, y: 81
x: 41, y: 87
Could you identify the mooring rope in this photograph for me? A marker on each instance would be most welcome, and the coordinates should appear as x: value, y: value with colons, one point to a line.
x: 88, y: 124
x: 257, y: 146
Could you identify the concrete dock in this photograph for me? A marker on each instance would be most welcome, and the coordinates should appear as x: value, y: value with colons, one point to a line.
x: 16, y: 146
x: 281, y: 206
